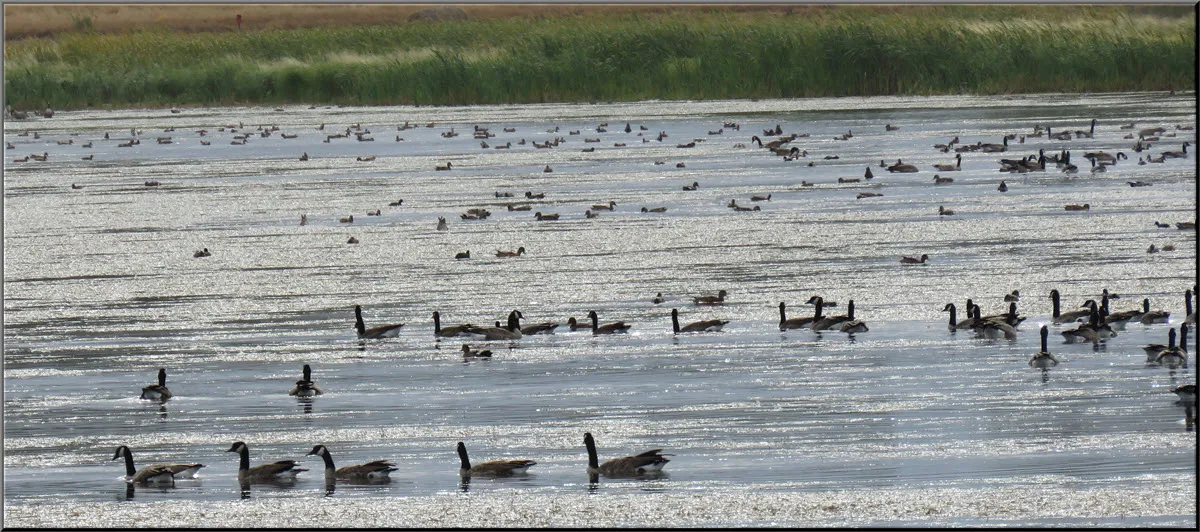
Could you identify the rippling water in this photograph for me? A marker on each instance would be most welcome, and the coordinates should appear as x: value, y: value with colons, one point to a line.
x: 904, y: 425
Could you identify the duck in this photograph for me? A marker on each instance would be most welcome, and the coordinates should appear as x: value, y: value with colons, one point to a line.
x: 862, y: 195
x: 1065, y: 317
x: 381, y: 331
x: 441, y: 226
x: 347, y: 220
x: 376, y: 471
x: 911, y: 260
x: 1043, y: 359
x: 889, y: 127
x: 1174, y: 356
x: 651, y: 461
x: 467, y: 352
x: 546, y: 217
x: 761, y: 198
x: 902, y: 168
x: 943, y: 211
x: 502, y: 253
x: 939, y: 180
x: 305, y: 387
x: 718, y: 299
x: 547, y: 169
x: 447, y: 332
x: 830, y: 322
x: 950, y: 167
x: 154, y: 474
x: 654, y: 209
x: 463, y: 255
x: 1077, y: 207
x: 1183, y: 226
x: 495, y: 468
x: 658, y: 298
x: 602, y: 207
x: 158, y: 392
x: 202, y: 253
x: 283, y: 470
x: 694, y: 186
x: 589, y: 214
x: 352, y: 240
x: 797, y: 323
x: 698, y: 326
x: 442, y: 168
x: 608, y: 328
x: 520, y: 207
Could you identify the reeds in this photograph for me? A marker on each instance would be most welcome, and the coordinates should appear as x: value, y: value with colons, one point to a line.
x: 835, y: 52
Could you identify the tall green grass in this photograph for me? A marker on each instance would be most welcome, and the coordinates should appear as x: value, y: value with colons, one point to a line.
x: 845, y: 51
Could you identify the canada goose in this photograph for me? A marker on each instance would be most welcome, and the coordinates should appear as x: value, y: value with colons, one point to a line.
x: 718, y: 299
x: 993, y: 326
x: 441, y: 226
x: 994, y: 148
x: 467, y: 352
x: 1120, y: 319
x: 761, y: 198
x: 902, y: 168
x: 943, y: 211
x: 396, y: 203
x: 830, y: 322
x: 1183, y: 226
x: 1174, y: 356
x: 440, y: 167
x: 950, y: 167
x: 375, y: 212
x: 547, y: 217
x: 655, y: 209
x: 352, y: 240
x: 1092, y: 331
x: 853, y: 326
x: 1012, y: 296
x: 1077, y: 207
x: 305, y: 387
x: 1087, y: 134
x: 651, y: 461
x: 955, y: 325
x: 283, y: 470
x: 698, y: 326
x: 511, y: 331
x: 1102, y: 156
x: 1186, y: 393
x: 545, y: 327
x: 910, y: 260
x: 1161, y: 225
x: 589, y: 214
x: 1178, y: 154
x: 376, y: 471
x: 1153, y: 316
x: 1043, y: 359
x: 158, y: 392
x: 463, y: 255
x: 303, y: 219
x: 890, y: 127
x: 607, y: 328
x: 447, y: 332
x: 495, y: 468
x: 520, y: 207
x: 365, y: 159
x: 1097, y: 169
x: 347, y: 220
x: 939, y: 180
x: 1003, y: 186
x: 658, y: 298
x: 844, y: 180
x: 520, y: 251
x: 382, y: 331
x: 547, y: 169
x: 202, y: 253
x: 1065, y: 317
x: 796, y: 323
x: 76, y: 186
x: 695, y: 185
x: 1190, y: 315
x: 158, y: 474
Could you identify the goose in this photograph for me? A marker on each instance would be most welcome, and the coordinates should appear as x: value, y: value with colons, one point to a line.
x: 1013, y: 296
x: 602, y: 207
x: 589, y: 214
x: 1043, y: 359
x: 761, y: 198
x: 1190, y: 318
x: 158, y: 392
x: 1153, y: 316
x: 698, y: 326
x: 1101, y: 156
x: 158, y: 474
x: 352, y: 240
x: 440, y: 167
x: 1098, y: 169
x: 830, y: 322
x: 608, y: 328
x: 658, y: 298
x: 1183, y: 226
x: 862, y: 195
x: 202, y: 253
x: 381, y: 331
x: 951, y: 167
x: 495, y: 468
x: 547, y: 217
x: 376, y: 471
x: 1120, y: 319
x: 283, y: 470
x: 1066, y: 316
x: 964, y: 324
x: 305, y: 387
x: 994, y: 148
x: 695, y: 185
x: 1077, y: 207
x: 1186, y: 393
x: 1136, y: 184
x: 943, y: 211
x: 1161, y: 225
x: 1087, y: 134
x: 911, y: 260
x: 1174, y: 356
x: 655, y: 209
x: 993, y: 326
x: 447, y: 332
x: 545, y: 327
x: 512, y: 331
x: 890, y: 127
x: 441, y: 226
x: 463, y: 255
x: 1092, y: 331
x: 651, y: 461
x: 1003, y: 186
x: 1177, y: 154
x: 1061, y: 135
x: 796, y: 323
x: 902, y: 168
x: 547, y: 169
x: 718, y: 299
x: 303, y: 219
x: 1070, y: 169
x: 520, y: 207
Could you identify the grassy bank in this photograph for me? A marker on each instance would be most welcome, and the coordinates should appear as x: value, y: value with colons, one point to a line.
x: 686, y: 55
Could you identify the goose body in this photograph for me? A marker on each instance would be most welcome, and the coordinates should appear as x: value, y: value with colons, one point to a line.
x: 1063, y: 317
x: 831, y: 322
x: 305, y: 387
x: 545, y: 327
x: 1190, y: 315
x: 156, y: 474
x: 1153, y: 316
x: 651, y: 461
x: 698, y: 326
x: 1043, y: 359
x: 1120, y: 319
x: 512, y: 331
x: 954, y: 323
x: 495, y: 468
x: 1093, y: 331
x: 796, y: 323
x: 1174, y: 356
x: 158, y: 392
x: 441, y: 226
x: 608, y: 328
x: 1186, y: 393
x: 281, y: 471
x: 381, y: 331
x: 447, y: 332
x: 376, y: 471
x: 950, y: 167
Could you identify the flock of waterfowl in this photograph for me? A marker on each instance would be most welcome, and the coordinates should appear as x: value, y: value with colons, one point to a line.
x: 1096, y: 324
